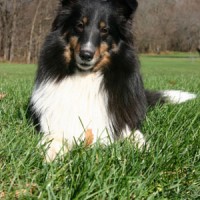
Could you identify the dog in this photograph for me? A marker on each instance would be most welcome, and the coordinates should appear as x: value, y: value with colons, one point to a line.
x: 88, y: 85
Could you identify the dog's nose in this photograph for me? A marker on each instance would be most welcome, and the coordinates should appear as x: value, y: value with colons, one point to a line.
x: 86, y: 55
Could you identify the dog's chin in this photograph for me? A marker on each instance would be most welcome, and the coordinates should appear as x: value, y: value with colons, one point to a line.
x: 84, y: 67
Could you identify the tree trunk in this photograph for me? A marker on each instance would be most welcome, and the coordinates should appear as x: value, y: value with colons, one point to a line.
x: 13, y: 31
x: 32, y: 32
x: 5, y: 35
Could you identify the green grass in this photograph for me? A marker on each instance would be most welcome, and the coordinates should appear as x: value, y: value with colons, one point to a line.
x: 169, y: 170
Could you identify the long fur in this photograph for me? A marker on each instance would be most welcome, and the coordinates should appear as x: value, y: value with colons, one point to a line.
x: 107, y: 101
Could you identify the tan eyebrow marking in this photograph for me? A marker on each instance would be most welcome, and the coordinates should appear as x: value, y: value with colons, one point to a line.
x: 73, y: 42
x: 67, y: 54
x: 102, y: 24
x: 85, y: 20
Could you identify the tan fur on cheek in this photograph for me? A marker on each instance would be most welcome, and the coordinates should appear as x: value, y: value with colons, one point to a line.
x: 103, y: 63
x: 73, y: 42
x: 103, y: 48
x: 67, y: 54
x: 77, y: 49
x: 104, y: 56
x: 73, y: 45
x: 97, y: 54
x: 101, y: 51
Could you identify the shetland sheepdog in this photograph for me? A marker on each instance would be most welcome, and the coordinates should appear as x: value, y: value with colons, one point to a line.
x: 88, y: 84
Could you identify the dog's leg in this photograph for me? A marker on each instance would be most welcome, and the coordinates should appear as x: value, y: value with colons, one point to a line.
x: 54, y: 146
x: 137, y: 137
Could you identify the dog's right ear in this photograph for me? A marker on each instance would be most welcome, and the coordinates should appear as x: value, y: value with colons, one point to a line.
x: 66, y: 2
x: 127, y: 7
x: 58, y: 21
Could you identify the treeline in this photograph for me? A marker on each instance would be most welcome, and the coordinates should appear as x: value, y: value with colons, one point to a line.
x: 23, y: 26
x: 160, y: 25
x: 168, y: 25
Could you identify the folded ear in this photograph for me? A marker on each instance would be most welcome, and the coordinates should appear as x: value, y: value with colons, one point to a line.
x: 128, y: 7
x: 63, y: 2
x: 132, y: 4
x: 66, y: 2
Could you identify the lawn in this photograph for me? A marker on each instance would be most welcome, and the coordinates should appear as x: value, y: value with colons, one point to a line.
x: 169, y: 170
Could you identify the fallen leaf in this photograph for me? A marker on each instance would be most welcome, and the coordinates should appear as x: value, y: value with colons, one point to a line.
x: 2, y: 96
x: 18, y: 193
x: 30, y: 190
x: 89, y: 137
x: 2, y: 195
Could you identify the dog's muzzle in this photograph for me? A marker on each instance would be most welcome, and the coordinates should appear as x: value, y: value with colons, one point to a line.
x: 86, y: 56
x: 85, y: 60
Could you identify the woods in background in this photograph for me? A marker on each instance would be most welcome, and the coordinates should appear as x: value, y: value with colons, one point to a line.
x: 23, y: 26
x: 161, y: 25
x: 168, y: 25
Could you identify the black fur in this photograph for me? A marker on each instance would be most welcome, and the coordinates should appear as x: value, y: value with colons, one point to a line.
x: 127, y: 99
x: 126, y: 96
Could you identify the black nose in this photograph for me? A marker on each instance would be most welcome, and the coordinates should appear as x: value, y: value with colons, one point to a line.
x: 86, y: 55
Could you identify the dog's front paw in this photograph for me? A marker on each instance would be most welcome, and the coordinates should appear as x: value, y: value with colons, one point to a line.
x: 53, y: 147
x: 137, y: 137
x: 139, y: 140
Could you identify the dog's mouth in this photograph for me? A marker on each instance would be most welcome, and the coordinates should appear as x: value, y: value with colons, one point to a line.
x: 85, y: 65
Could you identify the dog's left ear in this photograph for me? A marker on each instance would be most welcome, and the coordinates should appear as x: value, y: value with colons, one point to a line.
x: 133, y: 4
x: 127, y: 6
x: 66, y: 2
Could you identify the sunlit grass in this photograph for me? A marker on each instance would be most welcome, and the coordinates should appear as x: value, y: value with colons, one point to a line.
x: 169, y: 170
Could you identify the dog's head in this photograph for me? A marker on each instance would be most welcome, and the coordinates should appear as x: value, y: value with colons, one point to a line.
x: 93, y: 30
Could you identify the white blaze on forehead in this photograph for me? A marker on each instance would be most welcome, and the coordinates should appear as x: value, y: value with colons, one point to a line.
x: 88, y: 47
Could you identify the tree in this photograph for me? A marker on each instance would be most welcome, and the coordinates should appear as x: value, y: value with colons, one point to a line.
x: 13, y: 30
x: 32, y: 32
x: 161, y: 25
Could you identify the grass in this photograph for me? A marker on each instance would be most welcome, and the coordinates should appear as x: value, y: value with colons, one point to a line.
x: 170, y: 170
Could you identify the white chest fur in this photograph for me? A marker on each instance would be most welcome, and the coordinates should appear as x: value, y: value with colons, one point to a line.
x: 76, y: 104
x: 71, y: 107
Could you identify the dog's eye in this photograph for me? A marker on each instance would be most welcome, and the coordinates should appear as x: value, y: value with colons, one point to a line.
x: 80, y: 26
x: 104, y: 31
